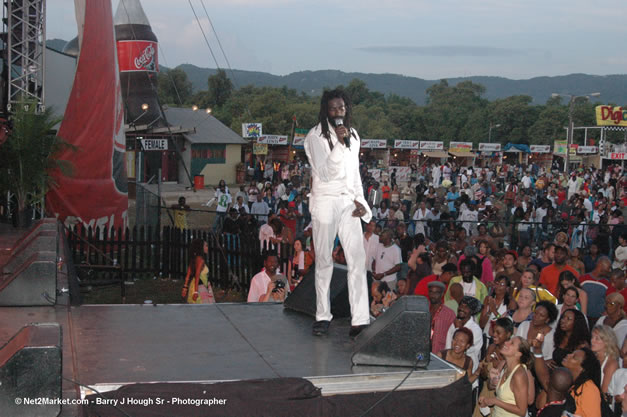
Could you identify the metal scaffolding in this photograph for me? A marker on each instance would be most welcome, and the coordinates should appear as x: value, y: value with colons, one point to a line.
x: 24, y: 42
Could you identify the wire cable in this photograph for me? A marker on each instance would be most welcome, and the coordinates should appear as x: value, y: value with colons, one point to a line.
x: 203, y: 34
x: 202, y: 2
x: 372, y: 407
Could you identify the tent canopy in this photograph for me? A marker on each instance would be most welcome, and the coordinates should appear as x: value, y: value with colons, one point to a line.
x: 436, y: 154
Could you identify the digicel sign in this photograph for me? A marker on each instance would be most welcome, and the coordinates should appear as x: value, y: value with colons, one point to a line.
x: 611, y: 116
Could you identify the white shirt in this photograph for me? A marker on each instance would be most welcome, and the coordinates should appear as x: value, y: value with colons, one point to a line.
x: 540, y: 213
x: 265, y: 233
x: 237, y: 207
x: 258, y: 286
x: 334, y: 172
x: 223, y: 200
x: 547, y: 347
x: 475, y: 350
x: 371, y: 246
x: 526, y: 181
x: 620, y: 329
x: 386, y: 259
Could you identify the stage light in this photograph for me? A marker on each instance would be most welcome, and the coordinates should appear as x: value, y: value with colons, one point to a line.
x: 145, y: 106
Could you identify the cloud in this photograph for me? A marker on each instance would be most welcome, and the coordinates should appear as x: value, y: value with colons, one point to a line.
x: 444, y: 51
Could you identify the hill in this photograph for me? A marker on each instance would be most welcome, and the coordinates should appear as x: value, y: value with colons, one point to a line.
x: 613, y: 88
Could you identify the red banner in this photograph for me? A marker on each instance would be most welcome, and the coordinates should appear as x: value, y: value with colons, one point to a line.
x: 96, y: 192
x: 138, y: 56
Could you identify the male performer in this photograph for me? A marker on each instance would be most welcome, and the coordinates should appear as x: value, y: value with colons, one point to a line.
x: 336, y: 204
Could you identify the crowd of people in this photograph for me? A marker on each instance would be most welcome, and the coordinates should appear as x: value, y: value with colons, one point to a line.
x: 523, y: 267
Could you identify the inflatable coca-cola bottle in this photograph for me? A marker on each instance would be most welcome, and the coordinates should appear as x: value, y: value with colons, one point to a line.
x: 137, y: 59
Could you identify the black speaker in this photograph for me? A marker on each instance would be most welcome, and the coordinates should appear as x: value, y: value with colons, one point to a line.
x: 303, y: 298
x: 399, y: 337
x: 30, y: 368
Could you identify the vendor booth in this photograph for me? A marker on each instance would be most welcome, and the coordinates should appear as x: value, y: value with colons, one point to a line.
x: 462, y: 153
x: 489, y: 155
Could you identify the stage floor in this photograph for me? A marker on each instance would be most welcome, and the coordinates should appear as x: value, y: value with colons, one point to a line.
x: 110, y: 345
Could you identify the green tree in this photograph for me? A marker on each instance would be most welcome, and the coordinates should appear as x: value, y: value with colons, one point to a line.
x: 27, y: 158
x: 220, y: 88
x: 174, y: 87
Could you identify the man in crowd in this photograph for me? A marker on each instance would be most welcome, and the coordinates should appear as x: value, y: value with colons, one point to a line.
x: 471, y: 285
x: 267, y: 285
x: 371, y: 244
x: 449, y: 270
x: 442, y: 317
x: 549, y: 277
x: 388, y: 260
x: 468, y: 307
x: 260, y: 210
x: 596, y: 284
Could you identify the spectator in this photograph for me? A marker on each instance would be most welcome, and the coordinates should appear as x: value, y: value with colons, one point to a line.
x: 557, y: 398
x: 620, y: 254
x: 371, y: 244
x: 223, y: 200
x: 471, y: 285
x: 197, y: 288
x: 509, y: 269
x: 596, y: 285
x: 388, y: 260
x: 549, y: 277
x: 591, y: 259
x: 544, y: 315
x: 422, y: 288
x: 441, y: 257
x: 566, y: 280
x: 487, y: 272
x: 239, y: 203
x: 604, y: 345
x: 180, y: 214
x: 268, y: 285
x: 299, y: 264
x: 528, y: 279
x: 468, y: 307
x: 512, y: 394
x: 524, y: 307
x: 571, y: 334
x: 615, y: 316
x: 462, y: 341
x: 231, y: 225
x: 247, y: 224
x: 617, y: 281
x: 495, y: 306
x: 382, y: 298
x: 546, y: 258
x: 260, y: 209
x: 442, y: 317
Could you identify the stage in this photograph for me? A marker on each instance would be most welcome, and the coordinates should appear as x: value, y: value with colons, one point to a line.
x: 108, y: 346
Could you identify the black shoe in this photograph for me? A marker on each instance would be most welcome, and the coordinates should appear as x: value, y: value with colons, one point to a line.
x: 355, y: 330
x: 321, y: 328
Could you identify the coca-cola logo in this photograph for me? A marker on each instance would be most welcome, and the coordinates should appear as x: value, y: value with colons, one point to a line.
x: 146, y: 59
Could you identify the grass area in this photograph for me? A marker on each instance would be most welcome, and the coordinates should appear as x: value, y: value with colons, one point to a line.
x: 159, y: 291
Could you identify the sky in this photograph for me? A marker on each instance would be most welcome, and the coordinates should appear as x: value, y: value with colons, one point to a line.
x: 429, y: 39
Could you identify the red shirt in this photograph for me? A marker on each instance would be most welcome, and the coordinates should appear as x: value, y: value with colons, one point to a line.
x: 386, y: 192
x: 549, y: 277
x: 561, y: 196
x: 422, y: 288
x: 440, y: 323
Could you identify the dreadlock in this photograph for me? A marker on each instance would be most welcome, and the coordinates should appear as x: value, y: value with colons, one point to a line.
x: 323, y: 116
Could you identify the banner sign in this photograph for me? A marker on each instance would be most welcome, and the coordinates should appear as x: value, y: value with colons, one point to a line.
x: 154, y: 144
x: 96, y: 193
x: 273, y: 139
x: 611, y: 116
x: 540, y: 148
x: 618, y: 155
x: 431, y: 146
x: 587, y: 149
x: 138, y: 56
x: 406, y: 144
x: 251, y: 130
x: 260, y: 148
x: 560, y: 147
x: 374, y: 143
x: 299, y: 138
x: 403, y: 174
x: 460, y: 147
x: 490, y: 147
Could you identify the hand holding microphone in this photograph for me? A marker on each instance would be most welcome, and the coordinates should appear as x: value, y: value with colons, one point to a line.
x: 342, y: 132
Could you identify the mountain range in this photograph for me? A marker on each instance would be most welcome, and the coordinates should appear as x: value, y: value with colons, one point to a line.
x: 613, y: 88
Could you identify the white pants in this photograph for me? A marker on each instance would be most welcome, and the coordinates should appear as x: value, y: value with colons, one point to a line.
x: 332, y: 216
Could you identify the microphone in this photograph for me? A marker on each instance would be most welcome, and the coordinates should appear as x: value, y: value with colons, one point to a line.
x: 340, y: 122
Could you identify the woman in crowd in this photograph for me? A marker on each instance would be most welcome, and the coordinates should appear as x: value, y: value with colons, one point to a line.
x: 590, y: 260
x: 571, y: 333
x: 495, y: 305
x: 586, y: 372
x: 570, y: 300
x: 524, y: 258
x: 441, y: 257
x: 529, y: 279
x: 487, y: 273
x: 420, y: 218
x: 576, y: 261
x: 395, y: 195
x: 524, y: 307
x: 197, y: 288
x: 566, y: 280
x: 299, y: 264
x: 615, y: 317
x: 462, y: 341
x: 544, y: 314
x: 512, y: 385
x: 607, y: 351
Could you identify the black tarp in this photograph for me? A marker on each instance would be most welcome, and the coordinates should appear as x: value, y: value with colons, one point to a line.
x: 276, y: 398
